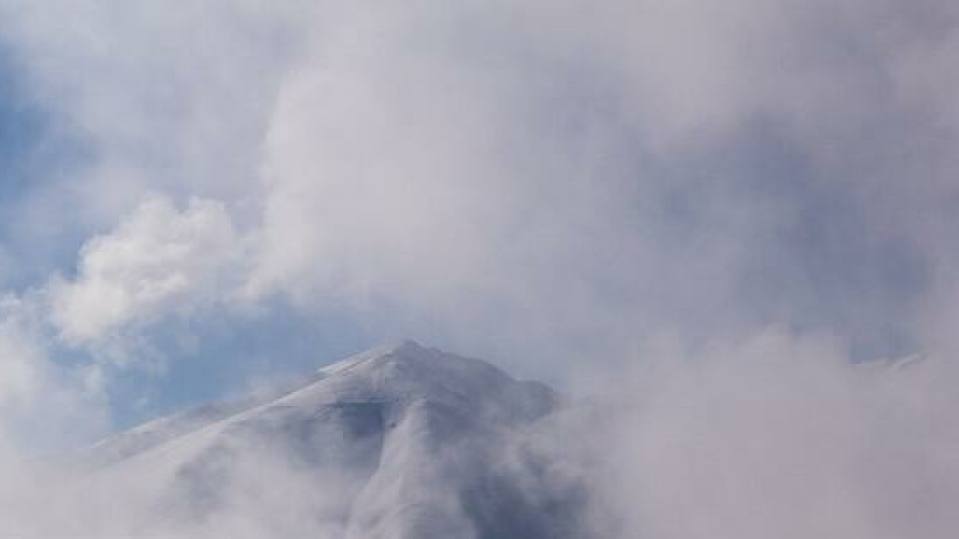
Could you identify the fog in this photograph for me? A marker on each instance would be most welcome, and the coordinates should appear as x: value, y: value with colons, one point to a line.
x: 720, y: 227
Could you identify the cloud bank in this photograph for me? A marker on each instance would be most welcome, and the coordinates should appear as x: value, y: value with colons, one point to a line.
x: 771, y: 436
x: 779, y: 437
x: 548, y: 176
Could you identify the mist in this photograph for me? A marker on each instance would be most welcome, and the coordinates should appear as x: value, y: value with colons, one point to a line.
x: 724, y: 229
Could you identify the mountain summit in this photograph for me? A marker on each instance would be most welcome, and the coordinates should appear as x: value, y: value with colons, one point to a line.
x: 402, y: 441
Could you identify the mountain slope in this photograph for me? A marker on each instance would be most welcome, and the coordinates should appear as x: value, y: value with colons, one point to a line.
x: 399, y: 442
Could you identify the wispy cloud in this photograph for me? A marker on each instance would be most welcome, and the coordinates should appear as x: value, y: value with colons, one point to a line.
x: 157, y: 261
x: 530, y: 173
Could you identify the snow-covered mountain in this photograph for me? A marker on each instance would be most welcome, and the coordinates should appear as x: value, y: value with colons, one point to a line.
x: 400, y: 442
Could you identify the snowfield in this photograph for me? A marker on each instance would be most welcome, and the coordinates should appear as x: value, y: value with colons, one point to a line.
x: 398, y: 442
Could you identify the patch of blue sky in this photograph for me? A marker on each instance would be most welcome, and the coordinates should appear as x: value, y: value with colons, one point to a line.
x: 222, y: 355
x: 38, y: 153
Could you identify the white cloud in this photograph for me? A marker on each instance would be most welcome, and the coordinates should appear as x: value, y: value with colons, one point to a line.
x: 593, y: 177
x: 779, y: 437
x: 17, y: 370
x: 771, y: 436
x: 551, y: 182
x: 548, y: 180
x: 531, y: 176
x: 42, y: 404
x: 158, y: 260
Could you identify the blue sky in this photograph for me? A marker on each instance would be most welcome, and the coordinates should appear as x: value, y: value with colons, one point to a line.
x: 194, y: 200
x: 38, y: 149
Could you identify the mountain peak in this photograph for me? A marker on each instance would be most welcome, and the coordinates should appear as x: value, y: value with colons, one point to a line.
x: 396, y: 351
x: 405, y: 371
x: 399, y: 346
x: 398, y: 373
x: 383, y: 422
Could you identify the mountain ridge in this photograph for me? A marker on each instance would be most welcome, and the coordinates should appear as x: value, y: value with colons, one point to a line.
x: 415, y: 440
x: 156, y: 431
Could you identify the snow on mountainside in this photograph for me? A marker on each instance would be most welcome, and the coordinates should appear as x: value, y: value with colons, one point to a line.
x: 399, y: 442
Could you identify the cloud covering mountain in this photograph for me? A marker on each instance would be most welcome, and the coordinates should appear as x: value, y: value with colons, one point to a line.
x: 401, y: 441
x: 710, y: 165
x: 712, y: 220
x: 771, y: 438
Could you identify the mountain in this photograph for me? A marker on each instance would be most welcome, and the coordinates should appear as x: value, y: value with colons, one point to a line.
x: 401, y: 442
